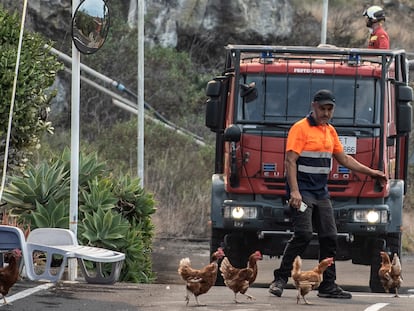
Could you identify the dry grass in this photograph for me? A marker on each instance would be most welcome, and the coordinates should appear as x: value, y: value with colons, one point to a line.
x: 180, y: 178
x: 408, y: 231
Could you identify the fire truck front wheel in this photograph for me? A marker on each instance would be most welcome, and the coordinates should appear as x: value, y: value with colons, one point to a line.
x: 392, y: 244
x: 216, y: 241
x: 237, y: 247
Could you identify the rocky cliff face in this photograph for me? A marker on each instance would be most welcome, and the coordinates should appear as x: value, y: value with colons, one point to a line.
x: 179, y: 23
x: 217, y: 20
x: 52, y: 18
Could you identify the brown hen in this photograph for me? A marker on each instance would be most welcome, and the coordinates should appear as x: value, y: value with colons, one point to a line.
x: 200, y: 281
x: 9, y: 274
x: 305, y: 281
x: 390, y: 273
x: 239, y: 280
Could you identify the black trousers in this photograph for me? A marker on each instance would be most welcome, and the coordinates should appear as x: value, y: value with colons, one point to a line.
x: 318, y: 218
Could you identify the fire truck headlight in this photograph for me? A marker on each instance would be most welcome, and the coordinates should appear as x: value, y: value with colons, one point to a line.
x: 373, y: 217
x: 370, y: 216
x: 237, y: 212
x: 240, y: 212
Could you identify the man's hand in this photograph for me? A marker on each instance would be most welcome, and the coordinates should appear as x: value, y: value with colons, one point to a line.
x: 380, y: 177
x: 295, y: 199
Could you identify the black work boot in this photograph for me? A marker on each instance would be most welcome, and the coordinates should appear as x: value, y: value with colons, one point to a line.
x: 334, y: 291
x: 328, y: 287
x: 277, y: 286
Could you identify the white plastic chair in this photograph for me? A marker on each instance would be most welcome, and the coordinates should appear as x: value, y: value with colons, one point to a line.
x: 11, y: 238
x: 62, y: 244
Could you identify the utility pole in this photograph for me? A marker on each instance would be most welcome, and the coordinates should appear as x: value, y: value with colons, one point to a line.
x: 324, y: 21
x: 140, y: 97
x: 74, y: 148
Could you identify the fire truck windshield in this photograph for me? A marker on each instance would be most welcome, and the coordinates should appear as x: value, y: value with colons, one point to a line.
x: 282, y: 98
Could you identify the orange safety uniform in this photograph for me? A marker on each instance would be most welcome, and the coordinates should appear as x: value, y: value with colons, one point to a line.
x: 315, y: 145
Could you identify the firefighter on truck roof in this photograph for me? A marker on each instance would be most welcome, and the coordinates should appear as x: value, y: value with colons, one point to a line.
x: 378, y: 39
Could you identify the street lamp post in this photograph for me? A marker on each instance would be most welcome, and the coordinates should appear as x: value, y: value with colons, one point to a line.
x: 74, y: 147
x: 140, y: 97
x: 324, y: 21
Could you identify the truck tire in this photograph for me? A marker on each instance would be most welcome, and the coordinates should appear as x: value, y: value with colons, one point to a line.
x: 216, y: 241
x: 393, y: 245
x: 235, y: 248
x: 374, y: 281
x: 238, y: 248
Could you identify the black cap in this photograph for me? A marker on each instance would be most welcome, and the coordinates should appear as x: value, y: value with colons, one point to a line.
x: 324, y: 97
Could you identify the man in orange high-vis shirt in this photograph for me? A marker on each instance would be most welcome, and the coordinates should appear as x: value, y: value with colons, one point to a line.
x: 311, y: 144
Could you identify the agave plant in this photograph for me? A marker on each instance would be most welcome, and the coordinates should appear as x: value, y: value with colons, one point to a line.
x: 51, y: 215
x: 89, y: 166
x: 133, y: 202
x: 105, y: 229
x: 98, y: 195
x: 39, y: 185
x: 113, y: 213
x: 137, y: 259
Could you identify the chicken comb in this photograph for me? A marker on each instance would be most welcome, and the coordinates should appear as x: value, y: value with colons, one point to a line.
x: 258, y: 253
x: 331, y: 260
x: 220, y: 250
x: 17, y: 252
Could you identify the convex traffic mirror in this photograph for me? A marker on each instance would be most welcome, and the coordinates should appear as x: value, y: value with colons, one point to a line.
x: 90, y: 25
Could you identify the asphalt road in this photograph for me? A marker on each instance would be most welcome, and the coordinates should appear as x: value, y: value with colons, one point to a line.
x: 65, y: 296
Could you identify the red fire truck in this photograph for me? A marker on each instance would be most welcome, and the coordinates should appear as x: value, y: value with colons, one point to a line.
x: 262, y: 91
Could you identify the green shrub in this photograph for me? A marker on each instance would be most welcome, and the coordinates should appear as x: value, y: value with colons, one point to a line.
x: 113, y: 213
x: 39, y: 186
x: 51, y: 215
x: 37, y: 71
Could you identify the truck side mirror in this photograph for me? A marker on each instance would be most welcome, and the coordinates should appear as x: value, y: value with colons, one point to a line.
x: 213, y: 88
x: 213, y: 91
x: 233, y: 134
x: 404, y: 109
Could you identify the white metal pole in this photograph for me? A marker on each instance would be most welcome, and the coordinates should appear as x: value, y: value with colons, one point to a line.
x: 324, y: 21
x: 140, y: 98
x: 74, y: 143
x: 12, y: 100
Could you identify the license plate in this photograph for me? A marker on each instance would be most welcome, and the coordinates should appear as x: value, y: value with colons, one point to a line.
x: 349, y: 143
